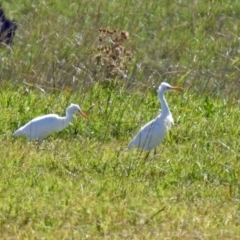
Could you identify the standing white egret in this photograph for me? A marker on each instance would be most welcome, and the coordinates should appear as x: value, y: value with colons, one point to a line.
x: 41, y: 127
x: 154, y: 132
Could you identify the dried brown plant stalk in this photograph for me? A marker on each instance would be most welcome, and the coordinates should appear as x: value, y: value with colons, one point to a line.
x: 112, y: 58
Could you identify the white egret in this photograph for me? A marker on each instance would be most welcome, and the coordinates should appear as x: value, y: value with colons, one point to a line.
x: 41, y: 127
x: 153, y: 133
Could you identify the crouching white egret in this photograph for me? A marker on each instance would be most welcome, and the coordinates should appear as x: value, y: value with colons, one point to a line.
x: 41, y: 127
x: 154, y: 132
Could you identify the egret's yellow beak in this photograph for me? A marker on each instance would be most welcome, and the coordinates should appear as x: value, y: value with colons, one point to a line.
x: 177, y: 88
x: 84, y: 115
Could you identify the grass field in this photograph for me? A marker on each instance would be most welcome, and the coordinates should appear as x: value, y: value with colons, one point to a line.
x: 83, y: 183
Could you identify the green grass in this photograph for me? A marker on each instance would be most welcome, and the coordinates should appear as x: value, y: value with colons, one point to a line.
x: 83, y: 183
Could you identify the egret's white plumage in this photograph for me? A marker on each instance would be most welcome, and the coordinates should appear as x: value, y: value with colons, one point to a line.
x: 41, y: 127
x: 152, y: 134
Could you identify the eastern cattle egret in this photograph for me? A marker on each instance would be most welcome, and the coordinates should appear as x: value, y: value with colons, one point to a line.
x: 154, y: 132
x: 41, y: 127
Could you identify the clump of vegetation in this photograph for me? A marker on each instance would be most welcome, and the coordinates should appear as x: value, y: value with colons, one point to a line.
x: 112, y: 58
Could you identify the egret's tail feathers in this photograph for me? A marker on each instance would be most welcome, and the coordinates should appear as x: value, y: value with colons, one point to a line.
x: 17, y: 133
x: 130, y: 145
x: 133, y: 144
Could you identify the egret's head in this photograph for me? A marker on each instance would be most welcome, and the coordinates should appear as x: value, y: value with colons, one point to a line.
x: 75, y: 108
x: 164, y: 87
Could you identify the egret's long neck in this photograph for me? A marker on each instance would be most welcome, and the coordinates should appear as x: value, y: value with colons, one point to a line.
x: 165, y: 108
x: 67, y: 119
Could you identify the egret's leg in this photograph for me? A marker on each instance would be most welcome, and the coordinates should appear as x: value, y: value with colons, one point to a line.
x: 39, y: 141
x: 147, y: 155
x: 155, y: 152
x: 38, y: 145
